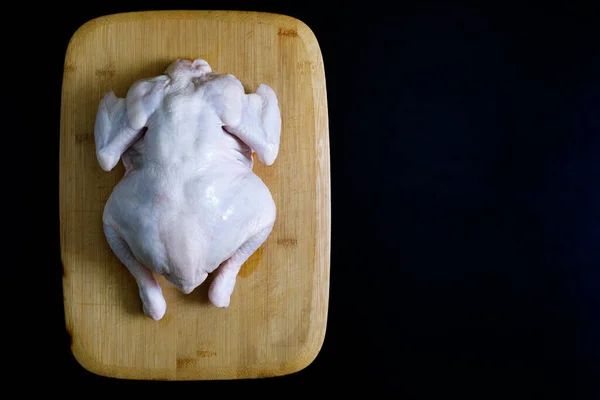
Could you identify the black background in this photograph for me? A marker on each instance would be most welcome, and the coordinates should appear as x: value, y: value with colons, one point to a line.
x: 465, y: 202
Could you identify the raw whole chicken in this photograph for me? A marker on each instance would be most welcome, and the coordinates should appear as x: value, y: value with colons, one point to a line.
x: 189, y: 202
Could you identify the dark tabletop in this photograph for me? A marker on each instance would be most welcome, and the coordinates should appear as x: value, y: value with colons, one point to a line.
x: 465, y: 203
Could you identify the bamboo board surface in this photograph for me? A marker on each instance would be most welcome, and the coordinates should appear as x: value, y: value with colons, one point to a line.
x: 276, y: 321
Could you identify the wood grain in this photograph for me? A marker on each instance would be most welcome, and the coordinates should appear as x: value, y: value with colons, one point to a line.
x: 276, y: 322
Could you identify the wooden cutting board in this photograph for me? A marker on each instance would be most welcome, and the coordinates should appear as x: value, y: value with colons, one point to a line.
x: 276, y: 321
